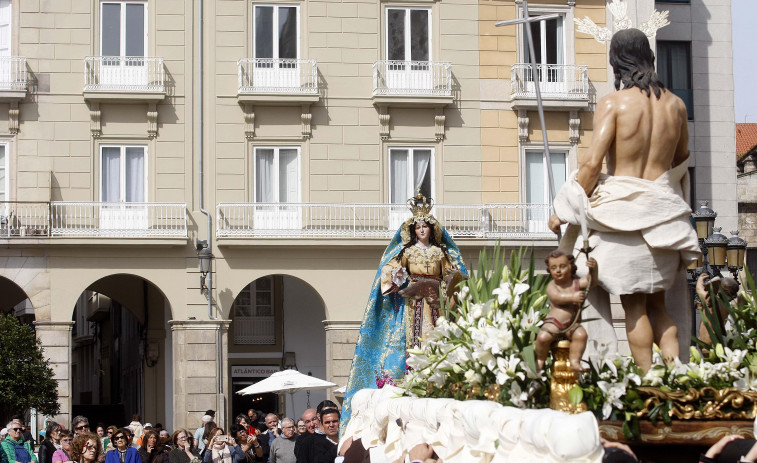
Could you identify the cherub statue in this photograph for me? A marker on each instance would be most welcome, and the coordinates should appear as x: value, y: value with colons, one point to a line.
x: 566, y: 294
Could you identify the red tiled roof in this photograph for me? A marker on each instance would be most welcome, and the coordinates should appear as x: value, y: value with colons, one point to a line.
x: 746, y: 139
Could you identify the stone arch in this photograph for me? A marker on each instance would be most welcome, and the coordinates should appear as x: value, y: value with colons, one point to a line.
x: 299, y: 337
x: 25, y: 277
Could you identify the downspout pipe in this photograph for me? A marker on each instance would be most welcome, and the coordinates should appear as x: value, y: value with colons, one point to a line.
x: 209, y: 278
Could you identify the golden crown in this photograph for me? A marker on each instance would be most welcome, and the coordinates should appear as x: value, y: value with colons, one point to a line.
x: 420, y: 206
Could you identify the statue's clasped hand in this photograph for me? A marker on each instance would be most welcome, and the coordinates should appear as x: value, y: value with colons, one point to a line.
x: 554, y: 224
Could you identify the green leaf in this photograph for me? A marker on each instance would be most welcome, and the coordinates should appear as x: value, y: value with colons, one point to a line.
x: 529, y: 356
x: 576, y: 395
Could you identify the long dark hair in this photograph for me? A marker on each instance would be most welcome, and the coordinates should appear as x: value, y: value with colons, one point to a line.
x: 632, y: 60
x: 414, y: 239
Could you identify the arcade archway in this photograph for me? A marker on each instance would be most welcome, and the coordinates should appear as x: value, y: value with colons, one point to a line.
x: 276, y: 322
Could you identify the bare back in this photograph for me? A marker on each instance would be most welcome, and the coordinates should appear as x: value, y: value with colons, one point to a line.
x: 638, y: 135
x: 647, y: 133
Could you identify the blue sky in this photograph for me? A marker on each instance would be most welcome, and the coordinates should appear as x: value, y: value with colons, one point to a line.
x: 744, y: 62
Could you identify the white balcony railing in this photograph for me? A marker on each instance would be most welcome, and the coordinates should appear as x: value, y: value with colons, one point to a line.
x: 13, y: 74
x: 412, y: 78
x: 254, y: 330
x: 124, y: 74
x: 278, y: 75
x: 297, y: 220
x: 118, y: 220
x: 556, y: 81
x: 24, y: 219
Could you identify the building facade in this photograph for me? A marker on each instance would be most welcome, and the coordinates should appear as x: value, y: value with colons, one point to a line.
x: 286, y: 136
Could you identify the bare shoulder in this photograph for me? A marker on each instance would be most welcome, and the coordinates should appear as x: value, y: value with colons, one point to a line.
x: 609, y: 103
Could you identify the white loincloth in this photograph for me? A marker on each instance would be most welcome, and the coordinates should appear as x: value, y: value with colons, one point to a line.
x: 640, y: 229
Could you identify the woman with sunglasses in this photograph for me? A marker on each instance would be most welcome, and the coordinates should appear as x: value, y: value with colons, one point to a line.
x: 123, y: 453
x: 183, y: 450
x: 107, y: 444
x: 86, y: 448
x: 63, y: 454
x: 51, y: 443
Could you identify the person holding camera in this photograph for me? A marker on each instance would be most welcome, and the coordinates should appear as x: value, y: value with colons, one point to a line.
x: 223, y: 449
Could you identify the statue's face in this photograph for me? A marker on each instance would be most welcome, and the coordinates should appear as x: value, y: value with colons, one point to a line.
x: 422, y: 231
x: 560, y: 268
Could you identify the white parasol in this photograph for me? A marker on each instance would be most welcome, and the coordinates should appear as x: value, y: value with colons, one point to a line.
x: 286, y: 381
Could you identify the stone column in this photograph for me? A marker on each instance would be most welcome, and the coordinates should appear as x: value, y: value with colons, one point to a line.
x: 55, y: 337
x: 199, y: 346
x: 341, y: 337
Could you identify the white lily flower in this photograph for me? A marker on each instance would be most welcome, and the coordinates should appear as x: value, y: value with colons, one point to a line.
x: 503, y: 293
x: 613, y: 393
x: 517, y: 396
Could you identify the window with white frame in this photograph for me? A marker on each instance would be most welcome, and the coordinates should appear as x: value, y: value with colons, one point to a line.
x: 410, y: 169
x: 537, y: 186
x: 3, y: 172
x: 123, y: 173
x: 5, y: 27
x: 123, y: 28
x: 408, y: 34
x: 549, y: 40
x: 277, y: 174
x: 276, y: 31
x: 254, y: 313
x: 537, y: 180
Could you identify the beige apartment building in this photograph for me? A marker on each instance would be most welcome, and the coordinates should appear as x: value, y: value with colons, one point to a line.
x: 287, y: 136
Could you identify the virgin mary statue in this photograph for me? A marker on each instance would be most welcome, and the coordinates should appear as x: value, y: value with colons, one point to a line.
x: 404, y: 303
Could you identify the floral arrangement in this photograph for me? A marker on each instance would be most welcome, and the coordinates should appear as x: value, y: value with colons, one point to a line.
x: 483, y: 348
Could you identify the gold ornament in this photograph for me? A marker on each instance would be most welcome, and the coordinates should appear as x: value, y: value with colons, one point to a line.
x: 421, y: 207
x: 706, y: 403
x: 563, y: 380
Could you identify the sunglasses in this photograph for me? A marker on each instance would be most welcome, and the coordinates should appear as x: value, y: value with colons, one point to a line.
x: 84, y: 426
x: 122, y: 437
x: 16, y: 429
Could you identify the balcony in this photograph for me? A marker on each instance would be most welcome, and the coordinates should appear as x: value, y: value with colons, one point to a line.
x: 124, y: 79
x: 66, y: 219
x: 310, y: 220
x: 124, y: 76
x: 277, y: 82
x: 419, y: 82
x: 118, y: 220
x: 13, y: 86
x: 563, y: 86
x: 22, y: 219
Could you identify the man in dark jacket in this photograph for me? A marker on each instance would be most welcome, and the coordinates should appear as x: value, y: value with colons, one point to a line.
x: 324, y: 447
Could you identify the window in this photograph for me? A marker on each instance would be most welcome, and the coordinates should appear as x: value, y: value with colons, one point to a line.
x: 277, y: 182
x: 123, y: 174
x: 410, y: 169
x: 674, y: 69
x: 5, y: 27
x: 537, y: 186
x: 276, y: 32
x: 549, y: 41
x: 123, y: 28
x: 3, y: 172
x: 408, y: 34
x: 277, y: 177
x: 254, y: 313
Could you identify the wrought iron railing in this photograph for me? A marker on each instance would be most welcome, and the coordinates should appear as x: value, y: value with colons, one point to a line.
x: 309, y: 220
x: 412, y: 78
x: 254, y: 330
x: 559, y: 81
x: 124, y: 74
x: 13, y: 75
x: 116, y: 219
x: 278, y: 75
x: 21, y: 219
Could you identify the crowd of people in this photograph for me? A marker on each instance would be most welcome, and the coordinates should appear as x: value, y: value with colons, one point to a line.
x: 252, y: 438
